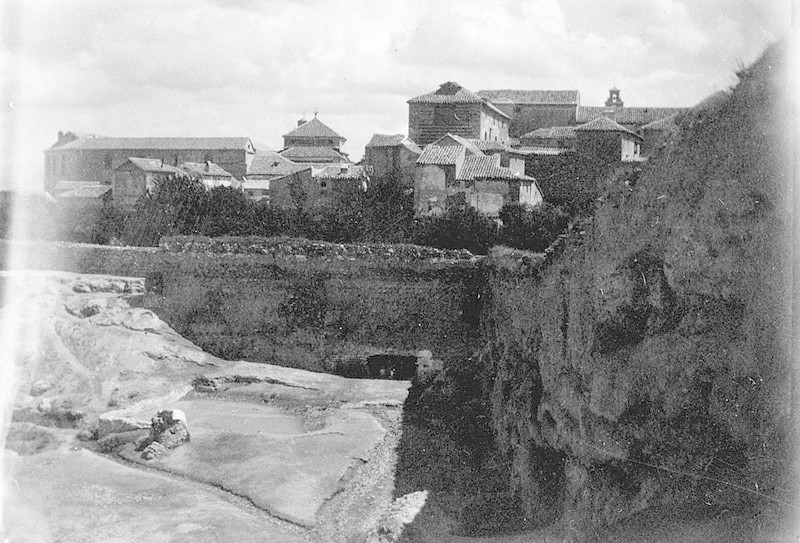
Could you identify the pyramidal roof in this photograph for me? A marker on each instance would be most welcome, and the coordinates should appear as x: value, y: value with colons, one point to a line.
x: 313, y: 129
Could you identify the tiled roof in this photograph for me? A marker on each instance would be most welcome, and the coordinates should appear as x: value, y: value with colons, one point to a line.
x: 457, y: 140
x: 568, y: 97
x: 440, y: 154
x: 155, y: 165
x: 313, y: 129
x: 554, y: 132
x: 271, y: 163
x: 313, y: 154
x: 158, y: 143
x: 449, y: 93
x: 485, y: 145
x: 603, y: 124
x: 393, y: 140
x: 537, y: 150
x: 386, y: 140
x: 453, y: 93
x: 487, y: 167
x: 667, y: 123
x: 204, y: 168
x: 335, y: 172
x: 626, y: 115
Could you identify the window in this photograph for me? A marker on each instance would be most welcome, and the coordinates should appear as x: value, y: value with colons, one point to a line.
x: 63, y: 164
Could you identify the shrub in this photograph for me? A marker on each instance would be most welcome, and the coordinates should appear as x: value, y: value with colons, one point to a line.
x: 531, y: 228
x: 458, y: 228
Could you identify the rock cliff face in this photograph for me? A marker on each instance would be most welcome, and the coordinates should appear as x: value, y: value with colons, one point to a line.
x: 651, y: 358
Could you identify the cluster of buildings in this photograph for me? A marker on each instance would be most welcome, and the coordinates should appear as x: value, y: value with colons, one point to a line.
x: 482, y: 150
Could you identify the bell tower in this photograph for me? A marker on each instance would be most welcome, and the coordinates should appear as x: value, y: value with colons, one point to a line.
x: 613, y: 98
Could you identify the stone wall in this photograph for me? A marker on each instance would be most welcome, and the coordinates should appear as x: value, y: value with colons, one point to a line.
x: 294, y: 302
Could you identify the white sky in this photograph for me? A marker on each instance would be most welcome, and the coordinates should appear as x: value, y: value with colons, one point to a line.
x: 253, y: 67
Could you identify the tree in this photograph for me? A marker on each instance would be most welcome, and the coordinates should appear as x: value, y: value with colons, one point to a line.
x: 227, y: 212
x: 531, y: 228
x: 175, y: 206
x: 389, y: 210
x: 458, y: 228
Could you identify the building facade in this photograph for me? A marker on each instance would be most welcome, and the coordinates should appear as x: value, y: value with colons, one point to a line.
x: 533, y: 109
x: 396, y: 154
x: 455, y: 110
x: 450, y: 175
x: 94, y: 158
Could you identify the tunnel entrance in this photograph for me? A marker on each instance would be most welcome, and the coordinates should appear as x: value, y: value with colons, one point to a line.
x: 392, y: 366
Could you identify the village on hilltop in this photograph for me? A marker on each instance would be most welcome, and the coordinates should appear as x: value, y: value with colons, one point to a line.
x: 480, y: 149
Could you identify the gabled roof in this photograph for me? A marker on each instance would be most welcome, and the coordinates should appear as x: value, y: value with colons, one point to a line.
x: 667, y: 123
x: 204, y: 169
x: 153, y: 165
x: 313, y: 129
x: 554, y: 132
x: 441, y: 154
x: 450, y: 140
x: 272, y: 163
x: 604, y: 124
x: 453, y: 93
x: 542, y: 97
x: 393, y: 140
x: 313, y: 154
x: 487, y: 167
x: 159, y: 143
x: 626, y: 115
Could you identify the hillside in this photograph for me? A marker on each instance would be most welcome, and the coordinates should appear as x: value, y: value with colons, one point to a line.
x: 639, y: 383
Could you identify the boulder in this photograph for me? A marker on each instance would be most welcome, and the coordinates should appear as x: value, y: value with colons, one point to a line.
x: 401, y: 512
x: 168, y: 430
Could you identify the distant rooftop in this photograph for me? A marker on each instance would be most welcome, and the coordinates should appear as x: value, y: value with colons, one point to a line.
x: 393, y: 140
x: 313, y: 129
x: 313, y: 154
x: 554, y: 132
x: 453, y: 93
x: 626, y: 115
x: 271, y: 163
x: 539, y: 97
x: 111, y: 143
x: 603, y: 124
x: 441, y: 154
x: 153, y: 165
x: 488, y: 167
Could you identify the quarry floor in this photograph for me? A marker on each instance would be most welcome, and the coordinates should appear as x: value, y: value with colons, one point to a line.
x: 276, y: 454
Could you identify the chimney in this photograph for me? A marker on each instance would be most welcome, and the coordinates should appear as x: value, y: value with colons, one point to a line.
x: 208, y: 165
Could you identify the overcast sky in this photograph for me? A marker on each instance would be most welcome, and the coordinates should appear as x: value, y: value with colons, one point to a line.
x: 253, y: 67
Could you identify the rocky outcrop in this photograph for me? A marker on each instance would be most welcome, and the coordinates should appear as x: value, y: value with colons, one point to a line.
x: 168, y: 430
x: 652, y: 355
